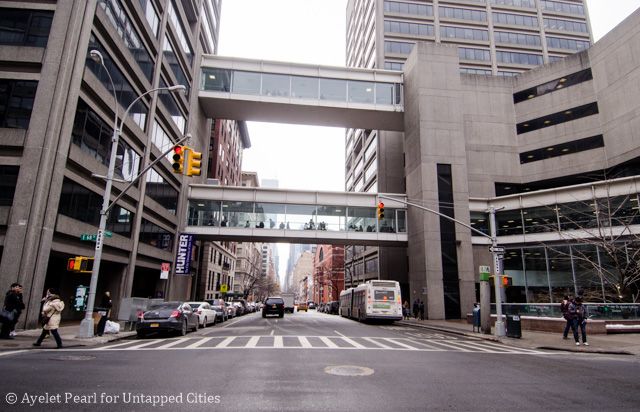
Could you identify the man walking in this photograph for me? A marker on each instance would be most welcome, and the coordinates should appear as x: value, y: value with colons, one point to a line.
x: 12, y: 303
x: 421, y: 308
x: 416, y: 308
x: 579, y: 312
x: 564, y: 308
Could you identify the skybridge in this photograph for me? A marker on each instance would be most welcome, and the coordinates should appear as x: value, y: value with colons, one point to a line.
x: 258, y: 90
x: 241, y: 214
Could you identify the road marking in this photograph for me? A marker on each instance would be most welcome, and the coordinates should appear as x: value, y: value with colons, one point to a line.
x: 141, y: 345
x: 449, y: 345
x: 252, y: 342
x: 328, y: 342
x: 304, y: 342
x: 13, y: 352
x: 395, y: 342
x: 382, y: 345
x: 278, y: 342
x: 417, y: 342
x: 272, y: 332
x: 350, y: 341
x: 225, y: 342
x: 173, y: 343
x: 197, y: 343
x: 114, y: 346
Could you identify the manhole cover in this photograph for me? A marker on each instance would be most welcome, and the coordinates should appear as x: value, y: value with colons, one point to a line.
x: 73, y: 358
x: 348, y: 370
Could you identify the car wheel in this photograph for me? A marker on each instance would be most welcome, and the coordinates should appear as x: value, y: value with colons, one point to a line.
x: 264, y: 315
x: 215, y: 319
x: 281, y: 315
x: 204, y: 324
x: 195, y: 328
x: 183, y: 330
x: 141, y: 335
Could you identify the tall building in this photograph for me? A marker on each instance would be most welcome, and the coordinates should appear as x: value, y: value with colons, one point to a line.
x: 57, y: 109
x: 493, y: 37
x: 328, y: 273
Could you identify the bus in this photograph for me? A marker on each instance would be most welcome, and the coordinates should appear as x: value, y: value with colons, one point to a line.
x: 375, y: 299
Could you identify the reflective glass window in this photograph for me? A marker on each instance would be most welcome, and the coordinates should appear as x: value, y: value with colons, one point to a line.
x: 333, y: 89
x: 479, y: 221
x: 151, y: 15
x: 512, y: 267
x: 577, y: 215
x: 172, y: 59
x: 540, y: 219
x: 22, y: 27
x: 8, y: 181
x: 565, y: 25
x: 560, y: 272
x: 371, y: 171
x: 205, y: 213
x: 301, y: 217
x: 360, y: 92
x: 218, y: 80
x: 238, y: 214
x: 169, y: 101
x: 384, y: 93
x: 16, y: 102
x: 275, y: 85
x: 361, y: 219
x: 161, y: 191
x: 246, y: 82
x: 271, y: 215
x: 331, y: 218
x: 587, y: 269
x: 535, y: 265
x: 304, y: 87
x: 509, y: 222
x: 155, y: 236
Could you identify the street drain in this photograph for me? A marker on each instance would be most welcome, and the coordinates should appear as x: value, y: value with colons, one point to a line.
x: 73, y: 358
x: 348, y: 370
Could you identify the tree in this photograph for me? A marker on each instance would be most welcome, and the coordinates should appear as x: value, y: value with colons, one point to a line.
x: 608, y: 244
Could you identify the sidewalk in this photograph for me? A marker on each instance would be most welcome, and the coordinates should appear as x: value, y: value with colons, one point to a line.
x: 26, y: 338
x: 615, y: 344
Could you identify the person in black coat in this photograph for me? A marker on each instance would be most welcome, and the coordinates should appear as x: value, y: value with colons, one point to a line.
x: 105, y: 305
x: 12, y: 303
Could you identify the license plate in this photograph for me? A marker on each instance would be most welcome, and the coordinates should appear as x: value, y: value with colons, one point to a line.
x: 154, y: 325
x: 381, y: 306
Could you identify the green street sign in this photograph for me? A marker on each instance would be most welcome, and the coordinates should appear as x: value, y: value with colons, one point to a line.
x: 88, y: 237
x: 108, y: 233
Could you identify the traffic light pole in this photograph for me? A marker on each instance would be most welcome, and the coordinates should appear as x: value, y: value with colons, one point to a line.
x: 499, y: 329
x: 86, y: 325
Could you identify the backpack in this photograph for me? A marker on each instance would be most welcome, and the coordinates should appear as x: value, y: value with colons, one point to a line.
x: 580, y: 313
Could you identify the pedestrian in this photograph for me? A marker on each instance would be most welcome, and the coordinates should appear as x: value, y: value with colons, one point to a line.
x: 416, y: 308
x: 50, y: 317
x: 580, y: 316
x: 421, y: 308
x: 405, y: 310
x: 105, y: 305
x: 564, y: 308
x: 12, y: 303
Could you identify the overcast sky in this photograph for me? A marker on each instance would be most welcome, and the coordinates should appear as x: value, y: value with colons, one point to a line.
x: 313, y: 31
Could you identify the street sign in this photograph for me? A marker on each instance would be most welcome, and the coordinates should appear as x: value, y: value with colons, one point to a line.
x: 485, y: 271
x: 88, y: 237
x: 164, y: 270
x: 224, y: 288
x: 497, y: 249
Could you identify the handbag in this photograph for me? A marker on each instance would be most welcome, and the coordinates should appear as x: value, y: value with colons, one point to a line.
x: 44, y: 319
x: 7, y: 315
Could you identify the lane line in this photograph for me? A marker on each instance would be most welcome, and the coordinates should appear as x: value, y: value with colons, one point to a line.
x: 225, y: 342
x: 395, y: 342
x: 380, y: 345
x: 350, y: 341
x: 450, y: 346
x: 13, y: 352
x: 141, y: 345
x: 173, y: 343
x: 114, y: 345
x: 197, y: 343
x: 304, y: 342
x: 272, y: 332
x: 278, y: 342
x: 328, y: 342
x: 417, y: 342
x: 253, y: 341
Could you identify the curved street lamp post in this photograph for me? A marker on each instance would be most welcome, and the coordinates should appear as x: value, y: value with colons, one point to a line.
x: 86, y: 326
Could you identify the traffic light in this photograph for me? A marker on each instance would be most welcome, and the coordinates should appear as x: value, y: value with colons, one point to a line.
x: 178, y: 159
x: 380, y: 210
x: 194, y: 160
x: 506, y: 281
x: 82, y: 264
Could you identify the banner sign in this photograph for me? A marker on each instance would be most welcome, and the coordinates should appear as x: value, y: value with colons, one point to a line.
x: 164, y: 270
x: 183, y: 255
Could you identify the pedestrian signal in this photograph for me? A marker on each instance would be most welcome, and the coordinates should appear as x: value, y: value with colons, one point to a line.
x: 194, y: 160
x: 178, y: 159
x: 380, y: 211
x: 81, y: 264
x: 506, y: 281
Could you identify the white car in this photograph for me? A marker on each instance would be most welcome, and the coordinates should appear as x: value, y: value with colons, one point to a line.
x: 231, y: 310
x: 206, y: 315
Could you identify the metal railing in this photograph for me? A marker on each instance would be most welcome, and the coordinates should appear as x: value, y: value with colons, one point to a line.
x: 596, y: 311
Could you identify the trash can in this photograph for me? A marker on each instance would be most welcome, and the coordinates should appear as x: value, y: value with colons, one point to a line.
x: 476, y: 319
x: 514, y: 329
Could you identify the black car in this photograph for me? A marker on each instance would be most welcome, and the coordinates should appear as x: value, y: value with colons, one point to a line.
x: 167, y: 317
x: 334, y: 307
x: 273, y: 306
x: 220, y: 308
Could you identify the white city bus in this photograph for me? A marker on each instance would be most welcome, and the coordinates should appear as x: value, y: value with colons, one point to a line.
x: 375, y: 299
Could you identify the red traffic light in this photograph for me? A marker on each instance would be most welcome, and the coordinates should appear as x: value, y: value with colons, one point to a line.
x: 71, y: 264
x: 380, y: 205
x: 177, y: 149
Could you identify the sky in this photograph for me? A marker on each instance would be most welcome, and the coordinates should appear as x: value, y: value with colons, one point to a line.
x: 313, y: 31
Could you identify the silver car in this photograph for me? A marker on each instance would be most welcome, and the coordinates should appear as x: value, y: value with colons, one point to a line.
x: 231, y: 310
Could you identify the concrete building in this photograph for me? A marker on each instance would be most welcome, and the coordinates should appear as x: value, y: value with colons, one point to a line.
x: 55, y: 132
x: 493, y: 37
x: 301, y: 276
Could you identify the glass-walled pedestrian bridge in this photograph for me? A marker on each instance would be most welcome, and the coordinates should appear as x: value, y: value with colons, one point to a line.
x: 258, y: 90
x: 277, y: 215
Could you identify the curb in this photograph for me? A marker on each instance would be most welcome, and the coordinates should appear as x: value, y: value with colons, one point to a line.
x: 454, y: 331
x: 598, y: 351
x: 73, y: 343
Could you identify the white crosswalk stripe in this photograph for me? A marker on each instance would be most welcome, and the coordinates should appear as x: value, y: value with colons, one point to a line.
x: 318, y: 342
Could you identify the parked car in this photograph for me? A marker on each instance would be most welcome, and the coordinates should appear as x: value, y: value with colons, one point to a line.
x: 334, y: 307
x: 239, y: 308
x: 245, y: 306
x: 311, y: 305
x: 231, y: 309
x: 220, y: 308
x: 302, y: 306
x: 167, y: 317
x: 206, y: 315
x: 273, y: 306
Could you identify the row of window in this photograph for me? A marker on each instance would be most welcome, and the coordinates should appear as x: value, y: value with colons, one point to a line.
x: 556, y: 84
x: 474, y: 54
x: 604, y: 212
x: 519, y: 58
x: 516, y: 3
x: 415, y: 29
x: 8, y: 182
x: 515, y: 19
x: 16, y: 102
x: 21, y: 27
x: 462, y: 14
x: 464, y: 33
x: 569, y: 44
x: 557, y: 118
x: 408, y: 8
x: 517, y: 38
x: 565, y: 25
x: 570, y: 8
x: 562, y: 149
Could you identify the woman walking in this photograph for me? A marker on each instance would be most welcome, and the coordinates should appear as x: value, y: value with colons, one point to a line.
x: 50, y: 317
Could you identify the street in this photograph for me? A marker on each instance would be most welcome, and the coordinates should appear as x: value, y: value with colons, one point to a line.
x: 313, y: 362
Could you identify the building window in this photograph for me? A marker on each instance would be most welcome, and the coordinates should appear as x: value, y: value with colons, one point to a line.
x: 564, y: 116
x: 408, y: 8
x: 180, y: 32
x: 397, y: 47
x: 21, y: 27
x: 171, y: 59
x: 152, y: 15
x: 519, y: 58
x: 569, y: 44
x: 565, y: 25
x: 552, y: 86
x: 80, y: 203
x: 169, y: 101
x: 462, y: 14
x: 93, y: 136
x: 506, y: 37
x: 16, y: 102
x: 464, y: 33
x: 515, y: 19
x: 8, y: 181
x: 516, y: 3
x: 155, y: 236
x: 563, y: 7
x: 414, y: 29
x: 562, y: 149
x: 161, y: 191
x: 466, y: 53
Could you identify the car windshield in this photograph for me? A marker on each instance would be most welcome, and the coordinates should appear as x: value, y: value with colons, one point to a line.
x: 162, y: 306
x: 274, y: 301
x: 194, y: 305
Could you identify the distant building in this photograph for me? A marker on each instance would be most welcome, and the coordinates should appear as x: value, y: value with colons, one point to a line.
x: 328, y: 273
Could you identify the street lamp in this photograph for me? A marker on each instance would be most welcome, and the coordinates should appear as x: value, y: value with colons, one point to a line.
x: 86, y: 326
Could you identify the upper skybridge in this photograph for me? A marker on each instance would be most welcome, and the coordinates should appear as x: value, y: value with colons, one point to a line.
x: 245, y: 89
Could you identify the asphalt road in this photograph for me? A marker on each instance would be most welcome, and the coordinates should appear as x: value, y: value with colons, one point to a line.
x: 315, y: 362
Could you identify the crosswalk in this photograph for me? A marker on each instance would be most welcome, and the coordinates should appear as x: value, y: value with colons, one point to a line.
x: 316, y: 342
